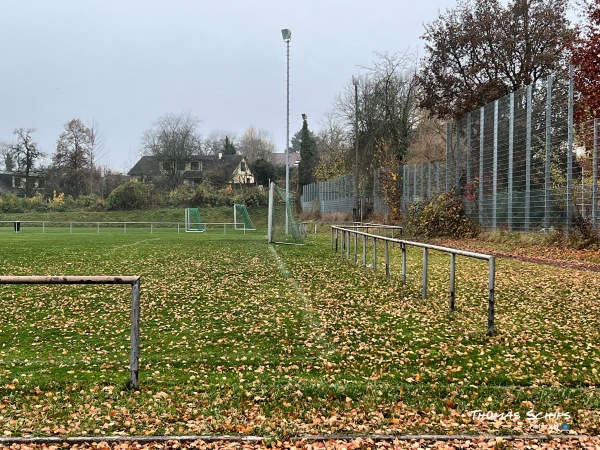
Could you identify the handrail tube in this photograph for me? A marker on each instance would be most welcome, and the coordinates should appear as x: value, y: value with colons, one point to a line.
x: 346, y: 230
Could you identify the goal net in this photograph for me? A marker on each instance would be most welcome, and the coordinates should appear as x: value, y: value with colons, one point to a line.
x: 241, y: 218
x: 193, y: 221
x: 283, y: 224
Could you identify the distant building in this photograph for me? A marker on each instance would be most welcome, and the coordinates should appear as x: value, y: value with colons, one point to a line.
x: 193, y: 170
x: 16, y: 182
x: 278, y: 159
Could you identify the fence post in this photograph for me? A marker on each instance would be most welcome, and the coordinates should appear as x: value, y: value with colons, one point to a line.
x: 452, y: 279
x: 429, y: 194
x: 387, y: 258
x: 355, y: 247
x: 511, y: 130
x: 374, y: 254
x: 456, y: 148
x: 403, y: 248
x: 134, y: 357
x: 448, y: 146
x: 492, y: 276
x: 595, y: 180
x: 495, y: 171
x: 528, y: 159
x: 364, y: 250
x: 469, y: 131
x: 570, y: 151
x: 481, y: 142
x: 547, y: 177
x: 437, y: 178
x: 348, y: 245
x: 414, y: 182
x: 424, y: 288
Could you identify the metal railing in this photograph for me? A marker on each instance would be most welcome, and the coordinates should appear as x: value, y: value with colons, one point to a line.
x: 134, y: 281
x: 98, y: 225
x: 345, y: 232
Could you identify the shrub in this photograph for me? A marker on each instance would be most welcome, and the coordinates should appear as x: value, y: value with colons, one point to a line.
x: 11, y: 203
x: 442, y: 216
x: 128, y: 196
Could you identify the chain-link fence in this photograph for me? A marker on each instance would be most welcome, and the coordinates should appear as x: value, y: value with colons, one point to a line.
x: 519, y: 163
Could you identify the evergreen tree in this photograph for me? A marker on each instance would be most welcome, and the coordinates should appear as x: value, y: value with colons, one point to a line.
x: 308, y: 155
x: 228, y: 147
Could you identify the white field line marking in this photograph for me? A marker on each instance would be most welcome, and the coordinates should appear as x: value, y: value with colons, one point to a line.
x: 317, y: 335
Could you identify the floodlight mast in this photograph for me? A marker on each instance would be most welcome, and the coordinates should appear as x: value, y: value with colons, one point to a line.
x: 287, y: 37
x: 357, y: 205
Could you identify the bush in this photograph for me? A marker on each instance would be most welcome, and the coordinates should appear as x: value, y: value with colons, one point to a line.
x: 129, y: 196
x: 443, y: 216
x: 11, y: 203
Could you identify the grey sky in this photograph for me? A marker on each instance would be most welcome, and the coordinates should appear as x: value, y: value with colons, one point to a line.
x: 126, y: 63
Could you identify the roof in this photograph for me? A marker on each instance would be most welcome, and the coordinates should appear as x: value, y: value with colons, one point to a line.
x: 146, y: 165
x: 149, y: 165
x: 279, y: 159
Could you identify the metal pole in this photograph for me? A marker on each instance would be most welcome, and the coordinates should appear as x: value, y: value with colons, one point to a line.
x: 374, y: 254
x: 492, y: 276
x: 495, y: 171
x: 511, y: 130
x: 134, y: 357
x: 448, y: 146
x: 287, y: 142
x: 387, y: 258
x: 424, y: 288
x: 452, y: 279
x: 528, y: 159
x: 481, y: 142
x: 570, y: 152
x: 469, y: 132
x: 356, y: 177
x: 595, y: 180
x: 548, y: 177
x: 403, y: 248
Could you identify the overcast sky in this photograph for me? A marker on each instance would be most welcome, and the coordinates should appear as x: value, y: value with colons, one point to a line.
x: 126, y: 63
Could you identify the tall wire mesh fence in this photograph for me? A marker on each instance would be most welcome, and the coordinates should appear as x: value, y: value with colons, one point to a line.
x: 519, y: 163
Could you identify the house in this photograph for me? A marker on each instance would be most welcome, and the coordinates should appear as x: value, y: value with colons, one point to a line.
x: 16, y: 182
x: 193, y: 170
x: 279, y: 159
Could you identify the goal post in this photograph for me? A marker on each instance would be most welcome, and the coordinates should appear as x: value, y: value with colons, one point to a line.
x: 241, y: 218
x: 279, y: 206
x: 193, y: 221
x: 134, y: 281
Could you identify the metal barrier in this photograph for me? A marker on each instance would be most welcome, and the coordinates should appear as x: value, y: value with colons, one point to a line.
x: 134, y: 281
x: 345, y: 246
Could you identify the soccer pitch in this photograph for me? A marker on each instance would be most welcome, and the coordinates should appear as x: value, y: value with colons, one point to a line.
x: 239, y: 337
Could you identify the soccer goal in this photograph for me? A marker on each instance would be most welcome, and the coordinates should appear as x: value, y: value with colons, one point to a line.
x: 193, y: 221
x: 241, y: 218
x: 283, y: 225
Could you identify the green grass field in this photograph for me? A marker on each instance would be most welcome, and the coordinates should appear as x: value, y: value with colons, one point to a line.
x: 238, y: 337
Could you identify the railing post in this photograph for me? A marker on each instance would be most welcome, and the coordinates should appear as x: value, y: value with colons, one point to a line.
x: 403, y: 248
x: 348, y: 245
x: 491, y: 283
x: 134, y: 357
x: 331, y: 237
x: 452, y: 280
x: 355, y: 247
x: 336, y: 239
x: 364, y: 250
x: 424, y: 289
x: 374, y: 254
x: 387, y: 258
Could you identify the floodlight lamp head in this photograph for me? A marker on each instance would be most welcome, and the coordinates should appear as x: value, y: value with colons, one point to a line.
x: 303, y: 116
x: 286, y: 34
x: 355, y: 80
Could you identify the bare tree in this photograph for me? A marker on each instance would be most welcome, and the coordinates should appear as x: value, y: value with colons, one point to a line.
x: 174, y: 139
x: 334, y: 149
x: 8, y: 158
x: 255, y: 144
x: 72, y: 161
x: 26, y: 155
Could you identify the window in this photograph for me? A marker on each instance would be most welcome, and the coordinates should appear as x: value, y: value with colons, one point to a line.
x: 243, y: 166
x: 167, y: 166
x: 180, y: 165
x: 195, y: 165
